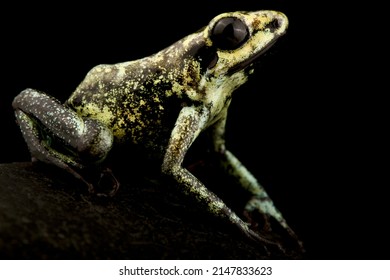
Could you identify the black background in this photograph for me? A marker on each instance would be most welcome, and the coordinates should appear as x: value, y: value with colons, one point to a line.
x: 307, y: 124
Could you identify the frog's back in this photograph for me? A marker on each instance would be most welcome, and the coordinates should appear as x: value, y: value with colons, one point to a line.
x: 104, y: 85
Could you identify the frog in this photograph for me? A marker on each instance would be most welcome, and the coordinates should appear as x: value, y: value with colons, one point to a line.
x: 161, y: 103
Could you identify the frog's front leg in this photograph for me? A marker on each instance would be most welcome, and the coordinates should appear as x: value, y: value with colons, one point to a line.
x: 259, y: 202
x: 55, y: 134
x: 190, y: 123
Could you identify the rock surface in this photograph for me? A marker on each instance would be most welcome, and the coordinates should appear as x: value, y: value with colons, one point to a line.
x: 45, y: 214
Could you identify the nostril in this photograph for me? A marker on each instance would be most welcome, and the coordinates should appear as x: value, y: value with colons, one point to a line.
x: 274, y: 25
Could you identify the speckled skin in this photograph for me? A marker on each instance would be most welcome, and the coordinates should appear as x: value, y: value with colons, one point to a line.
x: 161, y: 102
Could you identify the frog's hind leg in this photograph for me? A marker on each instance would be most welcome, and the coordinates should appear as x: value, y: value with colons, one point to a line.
x: 42, y: 119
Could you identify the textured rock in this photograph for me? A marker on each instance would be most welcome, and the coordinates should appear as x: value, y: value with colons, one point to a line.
x: 46, y: 214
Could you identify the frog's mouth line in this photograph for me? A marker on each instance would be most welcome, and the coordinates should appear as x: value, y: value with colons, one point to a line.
x: 251, y: 59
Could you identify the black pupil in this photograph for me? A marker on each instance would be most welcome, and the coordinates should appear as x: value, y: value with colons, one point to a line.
x: 229, y: 33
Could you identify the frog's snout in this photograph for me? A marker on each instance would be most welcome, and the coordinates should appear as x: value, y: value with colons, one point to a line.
x: 280, y: 23
x: 274, y: 21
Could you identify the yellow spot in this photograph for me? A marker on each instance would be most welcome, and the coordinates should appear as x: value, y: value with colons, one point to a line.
x: 216, y: 206
x: 121, y: 71
x: 177, y: 88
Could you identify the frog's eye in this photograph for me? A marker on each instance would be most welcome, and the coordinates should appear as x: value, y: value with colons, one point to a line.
x: 229, y: 33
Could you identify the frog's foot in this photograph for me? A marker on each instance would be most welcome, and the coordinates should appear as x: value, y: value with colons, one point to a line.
x: 107, y: 181
x: 257, y: 238
x: 264, y: 217
x: 100, y: 182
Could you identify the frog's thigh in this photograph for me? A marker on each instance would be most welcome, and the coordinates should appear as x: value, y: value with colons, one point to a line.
x: 35, y: 109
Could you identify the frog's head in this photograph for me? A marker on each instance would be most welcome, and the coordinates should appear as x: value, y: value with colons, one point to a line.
x: 229, y: 44
x: 235, y: 40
